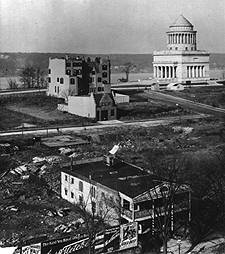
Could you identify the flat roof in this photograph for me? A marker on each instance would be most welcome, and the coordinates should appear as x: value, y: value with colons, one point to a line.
x: 121, y: 176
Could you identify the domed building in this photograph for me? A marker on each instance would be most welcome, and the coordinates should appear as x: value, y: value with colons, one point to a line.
x: 181, y: 62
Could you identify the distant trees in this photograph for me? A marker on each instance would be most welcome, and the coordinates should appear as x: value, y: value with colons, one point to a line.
x: 31, y: 77
x: 12, y: 84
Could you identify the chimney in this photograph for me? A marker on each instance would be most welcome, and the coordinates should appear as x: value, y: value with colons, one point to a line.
x: 109, y: 159
x: 107, y: 88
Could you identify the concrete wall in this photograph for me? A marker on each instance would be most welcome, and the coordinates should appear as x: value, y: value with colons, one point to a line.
x: 73, y: 187
x: 58, y: 70
x: 121, y: 98
x: 107, y: 201
x: 82, y: 106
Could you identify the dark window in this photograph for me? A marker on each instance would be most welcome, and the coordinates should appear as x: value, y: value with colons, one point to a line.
x: 92, y: 191
x: 99, y: 89
x: 55, y: 89
x: 68, y: 72
x: 93, y: 207
x: 126, y: 204
x: 49, y: 71
x: 81, y: 186
x: 66, y: 191
x: 79, y: 72
x: 93, y: 72
x: 49, y: 80
x: 58, y: 89
x: 112, y: 112
x: 170, y: 47
x: 74, y: 72
x: 66, y: 178
x: 186, y: 48
x: 72, y: 81
x: 104, y: 74
x: 76, y: 64
x: 68, y: 64
x: 80, y: 199
x: 99, y: 79
x: 176, y: 48
x: 61, y: 80
x: 72, y: 180
x: 57, y: 79
x: 104, y: 82
x: 72, y: 195
x: 104, y: 67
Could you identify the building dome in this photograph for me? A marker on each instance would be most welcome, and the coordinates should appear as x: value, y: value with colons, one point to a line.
x: 181, y: 35
x: 181, y: 21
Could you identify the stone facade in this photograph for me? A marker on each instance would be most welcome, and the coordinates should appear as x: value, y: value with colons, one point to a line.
x: 181, y: 62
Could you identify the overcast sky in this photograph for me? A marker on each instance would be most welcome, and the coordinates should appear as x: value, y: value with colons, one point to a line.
x: 105, y: 26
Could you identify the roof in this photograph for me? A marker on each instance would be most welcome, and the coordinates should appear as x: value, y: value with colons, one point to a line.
x: 98, y: 98
x: 182, y: 21
x: 121, y: 176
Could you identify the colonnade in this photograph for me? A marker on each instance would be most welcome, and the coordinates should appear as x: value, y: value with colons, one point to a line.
x: 195, y: 71
x: 167, y: 72
x: 182, y: 38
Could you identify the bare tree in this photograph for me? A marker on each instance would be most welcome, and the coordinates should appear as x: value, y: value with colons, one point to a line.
x: 39, y: 79
x: 163, y: 197
x: 12, y: 83
x: 127, y: 68
x: 28, y: 77
x: 96, y: 218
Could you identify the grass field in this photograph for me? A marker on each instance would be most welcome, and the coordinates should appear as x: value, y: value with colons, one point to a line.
x: 40, y: 111
x: 214, y: 96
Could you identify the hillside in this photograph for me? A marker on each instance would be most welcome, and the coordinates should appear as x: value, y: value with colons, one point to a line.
x: 12, y: 63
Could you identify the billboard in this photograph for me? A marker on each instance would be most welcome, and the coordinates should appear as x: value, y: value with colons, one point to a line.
x: 31, y: 249
x: 111, y: 239
x: 65, y: 246
x: 128, y: 235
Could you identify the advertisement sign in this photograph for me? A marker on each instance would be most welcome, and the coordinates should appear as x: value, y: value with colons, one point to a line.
x: 32, y: 249
x: 111, y: 239
x: 128, y: 235
x: 69, y: 245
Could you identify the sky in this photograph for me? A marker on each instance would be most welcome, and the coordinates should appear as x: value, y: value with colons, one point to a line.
x: 106, y: 26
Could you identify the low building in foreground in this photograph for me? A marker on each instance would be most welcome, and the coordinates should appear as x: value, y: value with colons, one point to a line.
x: 122, y: 192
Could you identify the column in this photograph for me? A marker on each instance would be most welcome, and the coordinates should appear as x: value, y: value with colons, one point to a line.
x: 175, y: 71
x: 199, y: 71
x: 192, y: 72
x: 155, y: 72
x: 203, y: 71
x: 171, y: 71
x: 159, y: 71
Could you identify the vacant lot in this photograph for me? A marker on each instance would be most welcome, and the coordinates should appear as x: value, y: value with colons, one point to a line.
x: 39, y: 110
